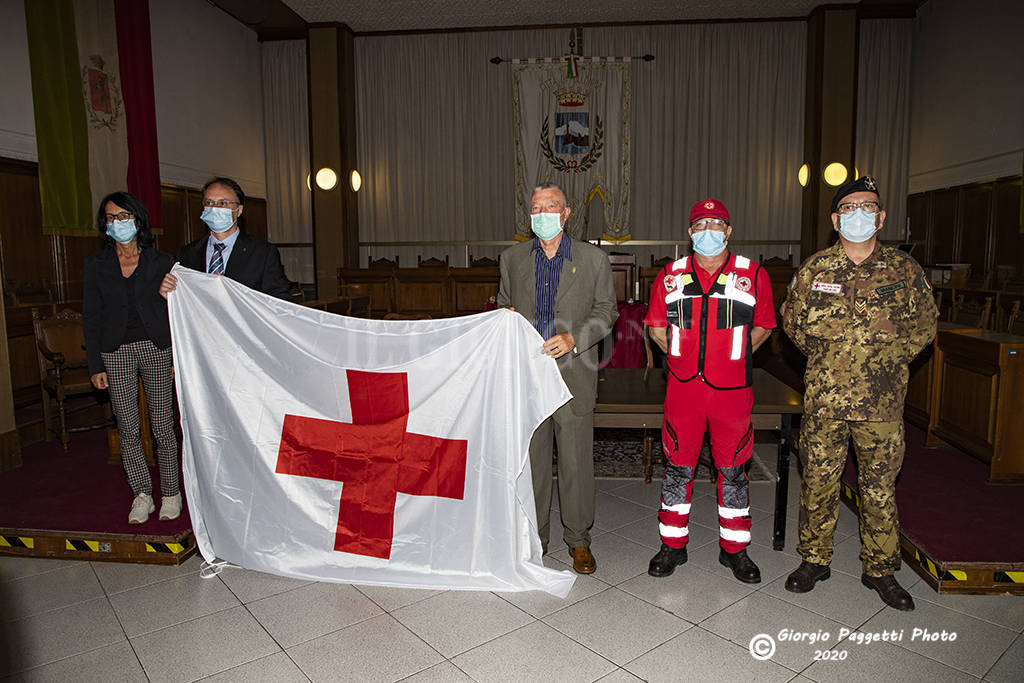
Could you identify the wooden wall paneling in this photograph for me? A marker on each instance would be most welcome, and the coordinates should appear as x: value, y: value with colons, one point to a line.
x: 918, y: 210
x: 26, y: 254
x: 196, y: 227
x: 1009, y: 240
x: 944, y: 224
x: 72, y: 252
x: 975, y: 235
x: 174, y: 205
x: 254, y: 217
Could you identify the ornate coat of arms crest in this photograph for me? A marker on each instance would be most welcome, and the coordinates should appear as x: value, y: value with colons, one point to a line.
x: 572, y: 127
x: 104, y: 106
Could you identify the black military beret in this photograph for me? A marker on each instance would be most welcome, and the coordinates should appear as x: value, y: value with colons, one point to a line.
x: 863, y: 184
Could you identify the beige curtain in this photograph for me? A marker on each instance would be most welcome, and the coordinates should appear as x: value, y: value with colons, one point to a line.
x: 718, y: 113
x: 286, y: 124
x: 883, y: 116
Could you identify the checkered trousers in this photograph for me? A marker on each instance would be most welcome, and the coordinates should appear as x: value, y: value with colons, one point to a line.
x: 124, y: 366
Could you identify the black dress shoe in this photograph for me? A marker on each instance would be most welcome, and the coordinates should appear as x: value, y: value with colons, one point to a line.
x: 666, y: 561
x: 891, y: 592
x: 806, y: 575
x: 743, y: 568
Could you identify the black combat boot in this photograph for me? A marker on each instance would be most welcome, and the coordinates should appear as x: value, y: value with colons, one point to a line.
x: 891, y: 592
x: 806, y: 575
x: 666, y: 561
x: 743, y: 568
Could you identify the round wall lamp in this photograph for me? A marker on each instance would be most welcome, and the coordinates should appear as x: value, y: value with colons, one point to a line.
x: 308, y: 185
x: 356, y: 181
x: 802, y: 174
x: 326, y: 179
x: 835, y: 174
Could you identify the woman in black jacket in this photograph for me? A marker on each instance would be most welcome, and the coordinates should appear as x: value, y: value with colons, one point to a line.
x: 127, y: 334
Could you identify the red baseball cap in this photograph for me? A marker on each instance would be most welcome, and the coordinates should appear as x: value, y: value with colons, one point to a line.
x: 709, y: 208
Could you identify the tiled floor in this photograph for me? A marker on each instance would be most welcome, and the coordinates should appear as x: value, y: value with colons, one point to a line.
x: 71, y: 621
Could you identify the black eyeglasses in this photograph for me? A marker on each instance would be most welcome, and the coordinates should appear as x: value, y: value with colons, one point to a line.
x: 219, y: 203
x: 123, y: 216
x: 850, y: 207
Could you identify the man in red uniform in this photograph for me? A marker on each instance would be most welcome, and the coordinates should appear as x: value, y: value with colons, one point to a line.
x: 709, y: 312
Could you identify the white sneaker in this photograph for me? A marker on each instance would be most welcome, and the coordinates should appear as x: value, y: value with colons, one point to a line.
x: 170, y: 508
x: 141, y: 507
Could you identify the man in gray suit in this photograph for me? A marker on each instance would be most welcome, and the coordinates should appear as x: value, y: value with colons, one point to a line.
x: 564, y: 287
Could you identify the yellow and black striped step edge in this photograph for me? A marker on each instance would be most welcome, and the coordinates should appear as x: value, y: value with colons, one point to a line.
x: 86, y: 546
x: 17, y: 542
x: 933, y: 569
x: 174, y: 548
x: 1008, y: 577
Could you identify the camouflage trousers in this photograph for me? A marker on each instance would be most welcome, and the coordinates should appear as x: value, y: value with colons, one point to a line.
x: 824, y: 444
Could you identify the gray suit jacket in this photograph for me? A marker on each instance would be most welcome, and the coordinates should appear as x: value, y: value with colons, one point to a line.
x: 584, y: 307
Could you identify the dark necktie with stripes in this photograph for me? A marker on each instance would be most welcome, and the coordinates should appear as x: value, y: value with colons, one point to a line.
x: 217, y: 260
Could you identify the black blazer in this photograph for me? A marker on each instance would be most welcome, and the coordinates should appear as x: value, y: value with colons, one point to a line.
x: 253, y: 262
x: 104, y: 307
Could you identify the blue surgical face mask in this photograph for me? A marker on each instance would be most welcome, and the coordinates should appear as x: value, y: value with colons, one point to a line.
x: 857, y: 226
x: 708, y: 242
x: 546, y: 225
x: 122, y: 232
x: 220, y: 219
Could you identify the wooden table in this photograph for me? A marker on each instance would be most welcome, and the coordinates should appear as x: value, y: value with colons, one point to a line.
x: 625, y: 399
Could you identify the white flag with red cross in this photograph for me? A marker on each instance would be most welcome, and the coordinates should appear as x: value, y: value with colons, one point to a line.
x: 362, y: 451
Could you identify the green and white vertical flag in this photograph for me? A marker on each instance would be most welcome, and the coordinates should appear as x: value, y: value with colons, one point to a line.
x: 79, y: 109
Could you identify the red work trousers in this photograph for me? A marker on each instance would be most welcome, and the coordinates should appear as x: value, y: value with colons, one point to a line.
x: 691, y: 408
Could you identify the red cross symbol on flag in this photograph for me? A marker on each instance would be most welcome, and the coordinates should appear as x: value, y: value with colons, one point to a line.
x: 375, y: 457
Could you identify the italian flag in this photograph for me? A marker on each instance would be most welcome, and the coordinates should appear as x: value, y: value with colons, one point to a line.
x: 95, y: 113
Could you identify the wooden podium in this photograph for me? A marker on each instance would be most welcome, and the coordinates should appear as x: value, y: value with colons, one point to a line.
x: 922, y: 404
x: 980, y: 394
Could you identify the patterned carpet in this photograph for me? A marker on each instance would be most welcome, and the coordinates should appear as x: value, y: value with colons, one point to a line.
x: 618, y: 454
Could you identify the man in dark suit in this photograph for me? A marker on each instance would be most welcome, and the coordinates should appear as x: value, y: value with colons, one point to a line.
x: 228, y: 250
x: 564, y: 287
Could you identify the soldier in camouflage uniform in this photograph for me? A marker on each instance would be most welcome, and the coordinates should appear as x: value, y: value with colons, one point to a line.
x: 860, y: 311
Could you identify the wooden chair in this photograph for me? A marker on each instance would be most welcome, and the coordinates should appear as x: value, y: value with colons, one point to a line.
x: 662, y: 262
x: 482, y: 262
x: 407, y: 316
x: 295, y: 292
x: 29, y: 293
x: 63, y: 368
x: 431, y: 262
x: 384, y: 263
x: 1014, y: 285
x: 1015, y: 323
x: 647, y: 351
x: 971, y: 311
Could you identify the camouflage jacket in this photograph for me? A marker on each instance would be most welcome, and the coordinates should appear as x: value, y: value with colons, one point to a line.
x: 859, y: 325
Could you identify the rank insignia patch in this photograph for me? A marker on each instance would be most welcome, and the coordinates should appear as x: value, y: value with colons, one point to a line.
x: 889, y: 289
